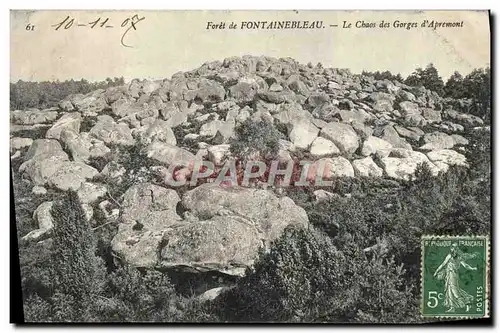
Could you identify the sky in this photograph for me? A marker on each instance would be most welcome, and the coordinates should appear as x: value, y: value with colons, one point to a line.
x: 166, y: 42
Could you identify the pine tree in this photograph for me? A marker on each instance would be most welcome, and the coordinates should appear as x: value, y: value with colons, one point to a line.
x: 76, y: 272
x: 428, y: 77
x: 454, y: 87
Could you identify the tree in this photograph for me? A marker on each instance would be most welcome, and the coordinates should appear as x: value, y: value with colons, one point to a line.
x: 478, y: 87
x: 77, y: 274
x: 454, y: 87
x: 428, y: 78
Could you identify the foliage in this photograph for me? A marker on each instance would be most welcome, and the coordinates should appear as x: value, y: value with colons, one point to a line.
x: 476, y: 86
x: 140, y: 297
x: 454, y: 87
x: 307, y: 278
x: 428, y: 77
x: 386, y: 75
x: 255, y: 139
x: 47, y: 94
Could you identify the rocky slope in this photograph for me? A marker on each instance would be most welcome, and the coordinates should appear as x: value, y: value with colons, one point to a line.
x: 359, y: 126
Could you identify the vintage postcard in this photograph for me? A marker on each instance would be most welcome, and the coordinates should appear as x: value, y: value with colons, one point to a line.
x: 251, y: 166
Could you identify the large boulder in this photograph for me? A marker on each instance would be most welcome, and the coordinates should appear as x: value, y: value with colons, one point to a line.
x: 444, y: 157
x: 89, y: 193
x: 32, y: 117
x: 210, y: 92
x: 402, y: 163
x: 19, y: 143
x: 303, y: 134
x: 366, y: 167
x: 343, y: 135
x: 465, y: 119
x: 148, y: 211
x: 157, y: 131
x: 68, y: 121
x: 322, y: 147
x: 82, y: 146
x: 167, y: 154
x: 227, y: 217
x: 42, y: 160
x: 326, y: 169
x: 71, y: 175
x: 389, y: 134
x: 110, y: 132
x: 436, y: 141
x: 373, y: 144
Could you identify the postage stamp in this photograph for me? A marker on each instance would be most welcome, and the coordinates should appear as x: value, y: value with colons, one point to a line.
x: 455, y: 276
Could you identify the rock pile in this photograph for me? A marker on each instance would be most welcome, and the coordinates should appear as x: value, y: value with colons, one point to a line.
x: 359, y: 126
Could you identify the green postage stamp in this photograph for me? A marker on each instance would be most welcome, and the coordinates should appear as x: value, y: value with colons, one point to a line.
x: 455, y: 276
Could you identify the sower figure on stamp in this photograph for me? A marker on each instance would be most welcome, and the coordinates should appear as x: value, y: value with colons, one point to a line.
x: 454, y: 296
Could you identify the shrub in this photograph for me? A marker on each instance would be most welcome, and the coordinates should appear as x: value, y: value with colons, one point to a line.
x: 259, y: 138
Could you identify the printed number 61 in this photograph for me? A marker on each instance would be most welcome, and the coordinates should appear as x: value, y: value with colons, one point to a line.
x: 433, y: 297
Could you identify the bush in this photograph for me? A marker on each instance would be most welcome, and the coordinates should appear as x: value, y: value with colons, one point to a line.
x: 255, y: 139
x: 307, y: 278
x: 143, y: 297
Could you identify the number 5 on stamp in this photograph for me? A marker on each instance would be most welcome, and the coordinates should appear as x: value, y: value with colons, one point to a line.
x: 455, y: 276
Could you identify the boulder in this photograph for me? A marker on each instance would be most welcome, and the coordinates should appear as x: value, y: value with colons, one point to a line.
x: 218, y: 154
x: 366, y: 167
x: 459, y: 140
x: 112, y: 133
x: 167, y: 154
x: 303, y: 134
x: 401, y: 163
x: 148, y: 211
x: 330, y: 168
x: 343, y: 135
x: 42, y: 215
x: 467, y: 120
x: 42, y: 160
x: 436, y: 141
x: 389, y: 134
x: 432, y: 116
x: 322, y: 147
x: 291, y: 115
x: 447, y: 156
x: 89, y: 193
x: 413, y: 133
x: 32, y: 117
x: 70, y: 121
x: 71, y: 175
x: 157, y: 131
x: 19, y: 143
x: 373, y: 144
x: 322, y: 195
x: 210, y: 91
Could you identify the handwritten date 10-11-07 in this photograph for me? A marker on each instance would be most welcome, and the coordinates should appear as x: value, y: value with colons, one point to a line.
x: 127, y: 24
